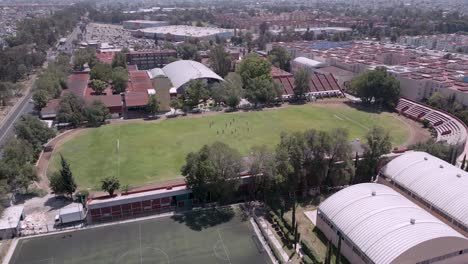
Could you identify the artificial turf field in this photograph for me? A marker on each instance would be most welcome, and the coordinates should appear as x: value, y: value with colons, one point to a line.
x: 208, y: 236
x: 152, y: 152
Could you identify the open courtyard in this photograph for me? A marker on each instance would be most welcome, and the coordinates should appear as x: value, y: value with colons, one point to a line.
x: 147, y: 152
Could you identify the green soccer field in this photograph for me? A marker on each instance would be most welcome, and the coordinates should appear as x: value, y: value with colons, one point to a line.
x: 150, y: 152
x: 209, y: 236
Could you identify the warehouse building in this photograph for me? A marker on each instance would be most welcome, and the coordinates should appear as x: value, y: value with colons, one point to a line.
x: 181, y: 33
x: 138, y: 24
x: 436, y: 185
x: 372, y: 223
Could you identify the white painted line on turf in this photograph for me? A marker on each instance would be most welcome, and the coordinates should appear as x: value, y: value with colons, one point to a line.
x: 222, y: 243
x: 339, y: 118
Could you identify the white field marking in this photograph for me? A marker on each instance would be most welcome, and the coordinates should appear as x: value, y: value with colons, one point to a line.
x: 215, y: 250
x: 225, y: 250
x: 355, y: 122
x: 42, y: 260
x: 164, y: 252
x: 339, y: 118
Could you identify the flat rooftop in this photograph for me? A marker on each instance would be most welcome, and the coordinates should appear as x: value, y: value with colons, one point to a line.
x: 186, y: 30
x: 11, y: 217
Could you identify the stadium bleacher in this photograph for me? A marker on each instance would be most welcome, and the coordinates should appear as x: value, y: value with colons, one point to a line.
x: 320, y: 85
x: 447, y: 127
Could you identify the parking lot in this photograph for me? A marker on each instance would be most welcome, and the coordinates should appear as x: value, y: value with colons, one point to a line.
x: 116, y: 36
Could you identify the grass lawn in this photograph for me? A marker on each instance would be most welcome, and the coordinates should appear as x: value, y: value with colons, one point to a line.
x: 152, y: 152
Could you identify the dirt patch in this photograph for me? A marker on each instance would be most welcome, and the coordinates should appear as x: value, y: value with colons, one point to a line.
x: 44, y: 159
x: 417, y: 132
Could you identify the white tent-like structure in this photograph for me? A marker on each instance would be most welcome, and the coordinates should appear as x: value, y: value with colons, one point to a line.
x: 438, y: 185
x: 376, y: 224
x: 183, y: 71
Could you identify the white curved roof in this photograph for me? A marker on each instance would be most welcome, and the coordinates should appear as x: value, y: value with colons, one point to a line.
x: 380, y: 224
x: 438, y: 182
x: 156, y: 72
x: 309, y: 62
x: 181, y: 72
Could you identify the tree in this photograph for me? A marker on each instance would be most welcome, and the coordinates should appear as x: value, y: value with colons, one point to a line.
x: 110, y: 184
x: 212, y: 171
x: 280, y: 58
x: 378, y: 143
x: 377, y: 85
x: 40, y: 98
x: 175, y: 103
x: 254, y: 67
x: 69, y: 185
x: 195, y: 91
x: 98, y: 86
x: 262, y: 91
x: 101, y: 71
x: 188, y: 51
x: 120, y: 59
x: 153, y: 105
x: 301, y: 84
x: 18, y: 151
x: 119, y: 80
x: 229, y: 91
x: 71, y: 110
x: 56, y: 183
x: 25, y: 176
x: 437, y: 149
x: 264, y: 174
x: 83, y: 57
x: 220, y: 60
x: 6, y: 92
x: 263, y: 28
x: 96, y: 113
x: 34, y: 131
x: 339, y: 155
x: 233, y: 90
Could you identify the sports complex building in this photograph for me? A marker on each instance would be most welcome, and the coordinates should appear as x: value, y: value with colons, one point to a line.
x: 436, y: 185
x: 372, y: 223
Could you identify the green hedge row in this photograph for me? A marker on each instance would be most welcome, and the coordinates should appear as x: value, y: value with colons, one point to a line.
x: 284, y: 227
x: 309, y: 252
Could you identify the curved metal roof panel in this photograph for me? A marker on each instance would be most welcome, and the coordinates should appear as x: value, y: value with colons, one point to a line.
x: 436, y: 181
x: 181, y: 72
x: 377, y: 219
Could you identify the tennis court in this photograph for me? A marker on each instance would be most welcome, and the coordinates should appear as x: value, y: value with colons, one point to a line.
x: 207, y: 236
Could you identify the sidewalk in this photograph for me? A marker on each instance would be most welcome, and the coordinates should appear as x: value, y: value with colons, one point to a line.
x: 265, y: 226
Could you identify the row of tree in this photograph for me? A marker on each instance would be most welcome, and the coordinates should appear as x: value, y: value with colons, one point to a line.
x: 17, y: 165
x: 300, y: 162
x: 52, y: 81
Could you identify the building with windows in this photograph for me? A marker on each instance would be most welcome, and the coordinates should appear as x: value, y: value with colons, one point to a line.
x: 149, y: 59
x: 372, y: 223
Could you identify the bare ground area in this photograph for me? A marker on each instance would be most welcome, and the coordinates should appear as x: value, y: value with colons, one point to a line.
x: 417, y: 132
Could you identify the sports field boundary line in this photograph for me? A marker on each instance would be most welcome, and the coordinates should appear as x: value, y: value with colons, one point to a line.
x: 224, y: 246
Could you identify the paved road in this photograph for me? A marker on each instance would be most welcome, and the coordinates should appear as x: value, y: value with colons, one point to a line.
x: 7, y: 127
